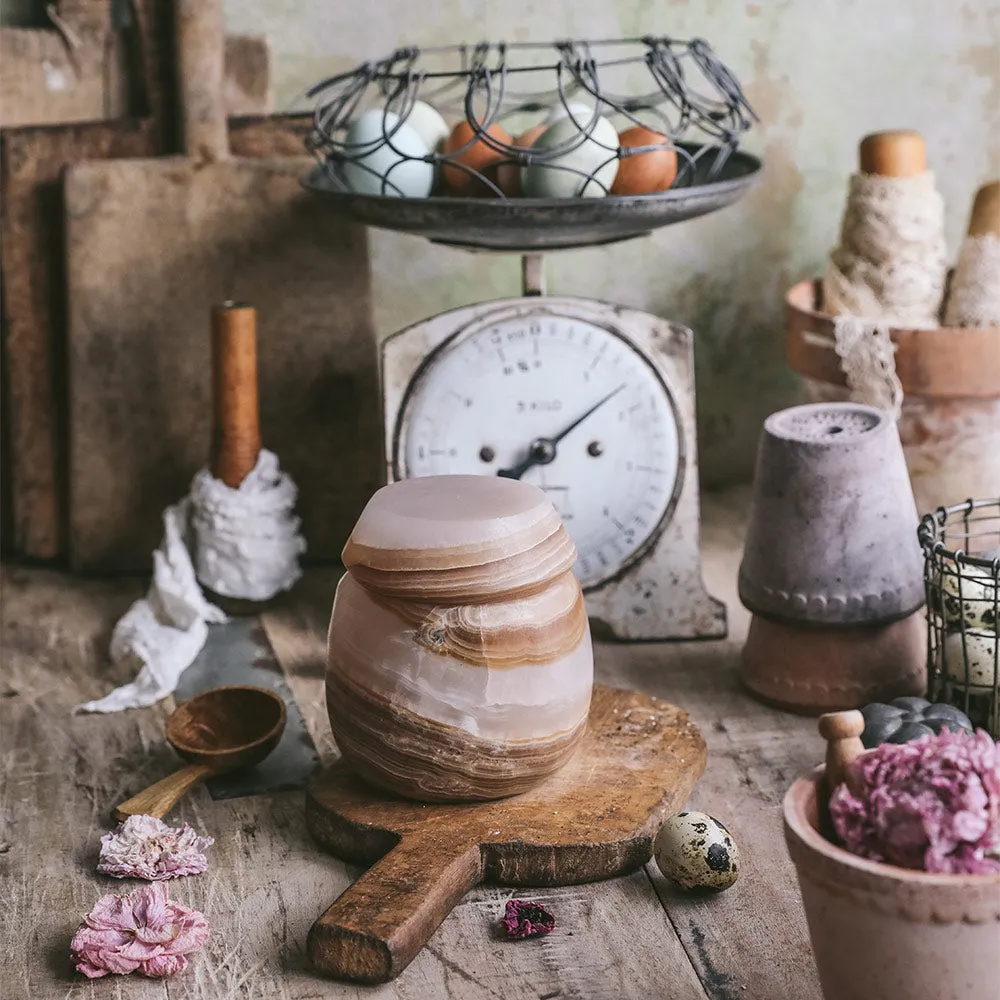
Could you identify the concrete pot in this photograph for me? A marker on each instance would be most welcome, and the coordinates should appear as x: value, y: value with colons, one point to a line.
x: 832, y: 536
x: 950, y: 424
x: 811, y: 669
x: 881, y: 932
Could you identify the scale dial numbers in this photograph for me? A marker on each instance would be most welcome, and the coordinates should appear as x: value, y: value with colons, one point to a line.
x: 507, y: 397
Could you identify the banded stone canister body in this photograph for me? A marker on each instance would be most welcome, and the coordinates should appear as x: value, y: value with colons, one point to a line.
x: 460, y: 663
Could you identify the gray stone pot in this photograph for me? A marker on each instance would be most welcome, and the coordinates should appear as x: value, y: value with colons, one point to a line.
x: 832, y: 538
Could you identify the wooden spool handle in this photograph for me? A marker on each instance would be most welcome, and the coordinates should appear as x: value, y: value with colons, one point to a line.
x: 900, y: 153
x: 842, y: 732
x: 380, y: 923
x: 159, y: 799
x: 985, y: 216
x: 236, y: 425
x: 200, y: 77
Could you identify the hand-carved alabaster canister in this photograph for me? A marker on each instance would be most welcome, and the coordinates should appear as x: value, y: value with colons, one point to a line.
x: 460, y: 662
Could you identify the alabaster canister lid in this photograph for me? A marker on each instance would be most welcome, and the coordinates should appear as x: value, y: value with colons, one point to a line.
x: 458, y: 538
x: 832, y: 535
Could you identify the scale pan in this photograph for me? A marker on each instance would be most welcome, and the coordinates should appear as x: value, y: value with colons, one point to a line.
x: 530, y: 225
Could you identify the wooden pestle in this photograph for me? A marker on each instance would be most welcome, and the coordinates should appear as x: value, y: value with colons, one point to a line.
x: 895, y: 153
x: 236, y: 425
x: 985, y: 216
x: 842, y: 732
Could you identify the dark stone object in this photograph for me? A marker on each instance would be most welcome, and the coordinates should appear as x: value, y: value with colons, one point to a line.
x: 906, y: 719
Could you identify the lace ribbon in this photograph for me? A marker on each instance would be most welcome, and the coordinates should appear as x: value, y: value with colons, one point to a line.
x: 888, y: 270
x: 974, y: 299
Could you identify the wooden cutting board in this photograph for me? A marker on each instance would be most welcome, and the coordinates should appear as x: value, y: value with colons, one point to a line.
x: 152, y: 245
x: 32, y: 249
x: 594, y: 819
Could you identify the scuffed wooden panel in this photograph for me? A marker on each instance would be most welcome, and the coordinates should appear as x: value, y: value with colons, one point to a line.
x: 152, y: 245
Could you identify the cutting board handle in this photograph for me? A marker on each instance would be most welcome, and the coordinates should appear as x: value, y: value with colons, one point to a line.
x: 200, y: 78
x: 379, y: 924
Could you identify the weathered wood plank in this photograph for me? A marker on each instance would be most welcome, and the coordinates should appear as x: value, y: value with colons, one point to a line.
x: 267, y: 881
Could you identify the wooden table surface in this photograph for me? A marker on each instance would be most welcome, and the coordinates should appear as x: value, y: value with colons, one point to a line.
x: 628, y: 938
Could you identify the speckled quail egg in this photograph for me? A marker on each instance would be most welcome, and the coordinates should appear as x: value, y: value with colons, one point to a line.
x: 980, y: 649
x: 379, y: 146
x: 978, y: 601
x: 696, y: 851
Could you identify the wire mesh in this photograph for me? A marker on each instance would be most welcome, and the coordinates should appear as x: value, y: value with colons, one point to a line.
x: 961, y: 547
x: 678, y: 90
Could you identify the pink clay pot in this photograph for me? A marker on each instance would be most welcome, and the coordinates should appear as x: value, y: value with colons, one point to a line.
x: 885, y: 933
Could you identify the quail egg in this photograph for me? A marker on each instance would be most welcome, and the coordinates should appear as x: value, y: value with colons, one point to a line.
x: 980, y: 648
x: 695, y: 851
x: 978, y: 601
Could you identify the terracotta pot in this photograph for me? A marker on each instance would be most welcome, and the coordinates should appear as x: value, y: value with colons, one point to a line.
x: 812, y: 670
x: 950, y: 424
x: 885, y: 933
x: 832, y: 533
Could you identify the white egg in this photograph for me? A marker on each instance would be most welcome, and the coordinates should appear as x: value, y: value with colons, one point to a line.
x: 695, y: 851
x: 977, y: 605
x: 581, y: 112
x: 370, y: 157
x: 428, y: 124
x: 980, y: 647
x: 587, y: 170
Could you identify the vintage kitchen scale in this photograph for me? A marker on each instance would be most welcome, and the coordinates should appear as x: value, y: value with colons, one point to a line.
x: 590, y: 401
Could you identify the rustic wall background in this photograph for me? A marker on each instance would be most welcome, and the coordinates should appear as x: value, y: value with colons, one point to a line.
x: 820, y: 73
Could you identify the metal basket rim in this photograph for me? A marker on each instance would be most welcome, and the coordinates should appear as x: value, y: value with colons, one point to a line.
x: 931, y: 528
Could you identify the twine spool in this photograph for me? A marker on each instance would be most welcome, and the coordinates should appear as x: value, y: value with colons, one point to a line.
x: 974, y: 298
x: 890, y: 265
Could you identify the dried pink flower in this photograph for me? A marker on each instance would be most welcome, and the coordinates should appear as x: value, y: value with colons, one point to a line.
x: 522, y: 919
x: 145, y: 847
x: 932, y: 805
x: 142, y: 932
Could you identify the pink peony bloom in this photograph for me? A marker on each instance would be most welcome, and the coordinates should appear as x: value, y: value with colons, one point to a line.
x: 932, y: 805
x: 145, y: 847
x: 143, y: 932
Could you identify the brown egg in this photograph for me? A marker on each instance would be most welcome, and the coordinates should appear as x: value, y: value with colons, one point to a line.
x: 479, y: 156
x: 644, y: 173
x: 507, y: 175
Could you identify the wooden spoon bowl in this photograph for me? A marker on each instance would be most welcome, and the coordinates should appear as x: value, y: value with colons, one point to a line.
x: 224, y: 729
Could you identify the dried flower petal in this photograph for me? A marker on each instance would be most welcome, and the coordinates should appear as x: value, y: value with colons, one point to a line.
x: 145, y: 847
x: 143, y: 932
x: 523, y: 919
x: 931, y: 805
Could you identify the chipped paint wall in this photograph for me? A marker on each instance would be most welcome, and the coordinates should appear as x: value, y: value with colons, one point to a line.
x: 820, y: 73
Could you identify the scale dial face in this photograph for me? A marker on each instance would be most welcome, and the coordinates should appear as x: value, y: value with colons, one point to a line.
x: 568, y: 405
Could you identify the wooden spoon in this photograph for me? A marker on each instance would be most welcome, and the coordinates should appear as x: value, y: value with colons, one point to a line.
x: 220, y: 730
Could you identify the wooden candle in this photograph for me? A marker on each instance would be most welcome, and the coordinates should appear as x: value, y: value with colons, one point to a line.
x: 236, y: 425
x: 894, y: 153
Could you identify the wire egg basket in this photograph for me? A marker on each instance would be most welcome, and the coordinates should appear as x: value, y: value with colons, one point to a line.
x: 961, y: 547
x: 553, y: 111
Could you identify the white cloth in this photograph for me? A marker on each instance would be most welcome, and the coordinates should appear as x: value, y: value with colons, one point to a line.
x: 247, y: 544
x: 888, y: 270
x: 974, y: 299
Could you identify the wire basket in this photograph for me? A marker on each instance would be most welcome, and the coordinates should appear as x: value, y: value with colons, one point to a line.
x: 962, y: 577
x: 678, y: 90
